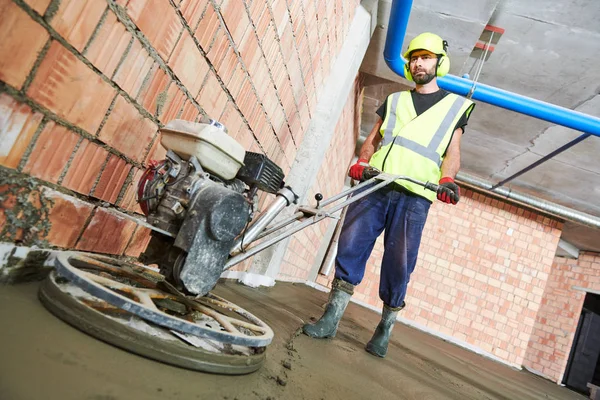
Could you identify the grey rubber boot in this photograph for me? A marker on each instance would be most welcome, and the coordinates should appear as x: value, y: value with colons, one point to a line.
x: 326, y: 327
x: 378, y: 345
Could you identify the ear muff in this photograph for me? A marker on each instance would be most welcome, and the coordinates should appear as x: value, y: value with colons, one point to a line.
x: 407, y: 73
x: 443, y: 66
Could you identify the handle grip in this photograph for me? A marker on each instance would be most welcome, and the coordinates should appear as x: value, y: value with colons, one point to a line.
x: 431, y: 186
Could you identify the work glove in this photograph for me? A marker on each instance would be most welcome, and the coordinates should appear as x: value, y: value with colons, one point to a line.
x: 448, y: 191
x: 356, y: 171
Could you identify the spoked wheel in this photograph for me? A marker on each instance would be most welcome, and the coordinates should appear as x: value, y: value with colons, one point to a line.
x: 132, y: 307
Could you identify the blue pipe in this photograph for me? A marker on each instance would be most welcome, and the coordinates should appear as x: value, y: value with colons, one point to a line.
x: 392, y: 54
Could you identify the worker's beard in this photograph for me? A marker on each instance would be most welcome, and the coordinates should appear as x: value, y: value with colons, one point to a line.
x: 424, y: 78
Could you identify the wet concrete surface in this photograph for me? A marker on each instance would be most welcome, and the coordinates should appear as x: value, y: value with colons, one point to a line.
x: 42, y: 357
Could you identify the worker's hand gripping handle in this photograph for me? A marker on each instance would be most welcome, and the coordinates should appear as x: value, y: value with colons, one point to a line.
x: 371, y: 172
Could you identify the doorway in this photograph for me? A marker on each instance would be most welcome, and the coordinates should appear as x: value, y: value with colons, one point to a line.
x: 583, y: 366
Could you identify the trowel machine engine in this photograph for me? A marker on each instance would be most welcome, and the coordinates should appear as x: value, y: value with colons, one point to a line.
x: 200, y: 199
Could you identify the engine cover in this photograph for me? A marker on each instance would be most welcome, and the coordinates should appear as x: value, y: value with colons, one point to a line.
x: 217, y: 215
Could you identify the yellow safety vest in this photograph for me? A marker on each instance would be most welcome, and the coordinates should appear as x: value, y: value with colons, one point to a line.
x: 415, y: 146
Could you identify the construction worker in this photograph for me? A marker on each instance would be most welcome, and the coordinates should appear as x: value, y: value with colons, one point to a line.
x: 418, y: 135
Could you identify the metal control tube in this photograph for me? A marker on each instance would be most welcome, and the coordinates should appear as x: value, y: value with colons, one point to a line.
x: 285, y: 197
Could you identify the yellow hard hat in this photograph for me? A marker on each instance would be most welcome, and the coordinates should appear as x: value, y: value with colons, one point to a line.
x: 427, y: 41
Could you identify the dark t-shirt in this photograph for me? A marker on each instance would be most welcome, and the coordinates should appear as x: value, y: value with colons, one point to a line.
x: 423, y: 102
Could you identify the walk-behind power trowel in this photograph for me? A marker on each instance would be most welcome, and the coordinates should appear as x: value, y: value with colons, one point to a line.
x: 201, y: 202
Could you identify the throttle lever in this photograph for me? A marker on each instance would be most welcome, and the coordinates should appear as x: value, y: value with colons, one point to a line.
x: 369, y: 172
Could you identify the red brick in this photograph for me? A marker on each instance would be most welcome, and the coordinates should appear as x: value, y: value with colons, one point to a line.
x: 235, y: 17
x: 296, y: 128
x: 270, y: 100
x: 157, y: 152
x: 219, y: 49
x: 38, y: 5
x: 295, y: 11
x: 155, y: 93
x: 208, y: 28
x: 85, y: 167
x: 232, y: 119
x: 313, y: 36
x: 304, y: 55
x: 212, y: 98
x: 280, y: 15
x: 112, y: 179
x: 188, y: 64
x: 287, y: 99
x: 227, y: 67
x: 247, y: 101
x: 245, y: 138
x: 261, y: 78
x: 277, y: 117
x: 287, y: 44
x: 238, y: 79
x: 192, y: 11
x: 107, y: 233
x: 76, y: 20
x: 249, y: 50
x: 131, y: 74
x: 129, y: 200
x: 158, y: 21
x: 260, y: 16
x: 107, y: 48
x: 279, y: 72
x: 173, y: 105
x: 270, y: 46
x: 18, y: 123
x: 66, y: 86
x: 67, y: 218
x: 303, y: 110
x: 127, y: 130
x: 139, y: 242
x: 190, y: 112
x: 51, y: 152
x: 22, y: 40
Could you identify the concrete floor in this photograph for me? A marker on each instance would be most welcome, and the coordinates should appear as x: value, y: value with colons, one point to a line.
x: 44, y: 358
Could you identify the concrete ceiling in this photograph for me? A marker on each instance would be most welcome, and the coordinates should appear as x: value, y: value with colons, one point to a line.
x: 549, y: 52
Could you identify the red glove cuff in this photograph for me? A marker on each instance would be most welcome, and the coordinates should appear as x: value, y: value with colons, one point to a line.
x: 446, y: 179
x: 362, y: 160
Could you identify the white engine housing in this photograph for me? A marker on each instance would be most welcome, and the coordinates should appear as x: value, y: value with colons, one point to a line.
x: 216, y: 151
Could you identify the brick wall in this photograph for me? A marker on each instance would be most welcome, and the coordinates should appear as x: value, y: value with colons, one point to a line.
x: 480, y: 276
x: 86, y: 84
x: 300, y: 255
x: 557, y: 319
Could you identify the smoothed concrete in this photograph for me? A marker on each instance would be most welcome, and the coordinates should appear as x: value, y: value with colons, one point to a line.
x: 44, y: 358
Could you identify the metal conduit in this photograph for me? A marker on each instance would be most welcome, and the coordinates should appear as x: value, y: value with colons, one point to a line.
x: 535, y: 203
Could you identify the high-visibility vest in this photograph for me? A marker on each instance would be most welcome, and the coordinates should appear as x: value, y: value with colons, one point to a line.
x: 415, y: 146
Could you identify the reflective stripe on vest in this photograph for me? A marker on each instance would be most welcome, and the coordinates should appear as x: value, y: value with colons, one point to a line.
x: 429, y: 151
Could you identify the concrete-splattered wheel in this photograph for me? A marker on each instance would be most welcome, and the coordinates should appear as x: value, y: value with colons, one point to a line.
x: 133, y: 308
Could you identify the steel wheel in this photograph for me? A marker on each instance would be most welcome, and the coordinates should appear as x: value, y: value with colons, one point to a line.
x: 131, y: 307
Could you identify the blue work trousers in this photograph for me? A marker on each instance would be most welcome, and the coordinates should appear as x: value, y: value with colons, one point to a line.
x: 403, y: 217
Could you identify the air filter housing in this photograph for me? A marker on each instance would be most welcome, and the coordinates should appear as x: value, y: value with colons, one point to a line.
x: 261, y: 172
